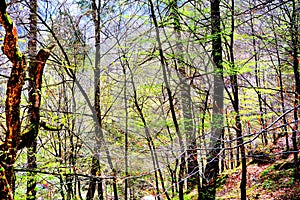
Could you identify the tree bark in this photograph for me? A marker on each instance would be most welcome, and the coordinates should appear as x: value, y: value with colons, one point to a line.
x: 12, y: 105
x: 295, y: 52
x: 31, y: 151
x: 235, y: 103
x: 186, y: 102
x: 14, y: 140
x: 172, y: 109
x: 96, y: 7
x: 211, y: 172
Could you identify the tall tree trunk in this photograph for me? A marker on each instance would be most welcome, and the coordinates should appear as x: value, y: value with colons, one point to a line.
x: 295, y: 52
x: 96, y: 14
x: 235, y: 103
x: 126, y: 184
x: 186, y: 102
x: 280, y: 83
x: 212, y: 166
x: 14, y: 140
x: 170, y: 97
x: 32, y: 50
x: 258, y: 83
x: 95, y: 161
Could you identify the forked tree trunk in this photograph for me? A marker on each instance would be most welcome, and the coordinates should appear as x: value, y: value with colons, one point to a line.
x: 14, y: 140
x: 12, y: 105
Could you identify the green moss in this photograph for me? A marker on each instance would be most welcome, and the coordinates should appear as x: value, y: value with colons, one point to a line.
x: 221, y: 180
x: 274, y: 179
x: 8, y: 20
x: 19, y: 54
x: 267, y: 171
x: 1, y: 169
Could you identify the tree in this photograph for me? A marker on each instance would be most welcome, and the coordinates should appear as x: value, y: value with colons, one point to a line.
x: 171, y: 103
x: 33, y: 112
x: 234, y: 98
x: 294, y: 28
x: 132, y: 101
x: 14, y: 139
x: 212, y: 165
x: 186, y: 102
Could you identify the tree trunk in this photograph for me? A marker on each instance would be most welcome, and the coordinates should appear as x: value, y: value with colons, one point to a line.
x: 235, y: 103
x: 172, y: 109
x: 32, y: 50
x: 211, y: 172
x: 95, y: 162
x: 12, y: 106
x: 14, y: 140
x: 295, y: 52
x: 282, y: 99
x: 126, y: 145
x: 257, y: 81
x: 98, y: 126
x: 186, y: 102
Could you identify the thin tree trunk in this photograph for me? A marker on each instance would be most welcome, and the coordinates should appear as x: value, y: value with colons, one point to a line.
x: 32, y: 50
x: 204, y: 110
x: 235, y: 102
x: 257, y: 80
x: 231, y: 158
x: 165, y: 77
x: 126, y: 184
x: 149, y: 138
x: 95, y: 165
x: 98, y: 130
x: 295, y: 52
x: 282, y: 100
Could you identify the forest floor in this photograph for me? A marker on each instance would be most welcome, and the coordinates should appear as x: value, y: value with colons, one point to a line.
x: 268, y: 177
x: 263, y: 182
x: 271, y: 181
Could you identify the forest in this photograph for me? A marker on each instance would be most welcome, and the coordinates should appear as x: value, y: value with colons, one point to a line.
x: 149, y: 100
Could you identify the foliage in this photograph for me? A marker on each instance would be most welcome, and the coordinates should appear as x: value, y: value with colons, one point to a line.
x: 156, y: 100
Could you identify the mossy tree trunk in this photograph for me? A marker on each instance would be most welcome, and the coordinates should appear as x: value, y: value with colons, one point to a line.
x: 14, y: 140
x: 8, y: 150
